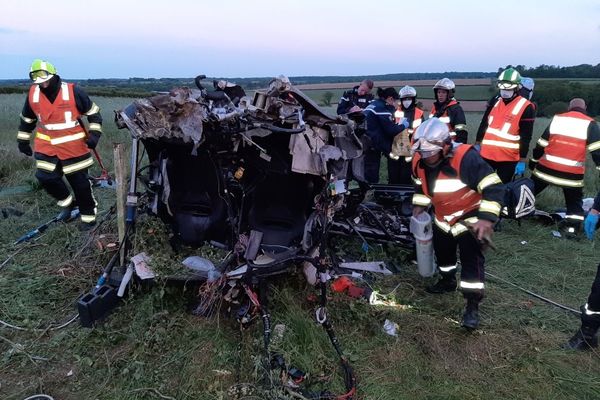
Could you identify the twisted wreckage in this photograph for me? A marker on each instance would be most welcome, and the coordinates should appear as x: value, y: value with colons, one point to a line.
x: 265, y: 177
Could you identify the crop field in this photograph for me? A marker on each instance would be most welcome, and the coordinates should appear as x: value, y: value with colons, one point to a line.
x: 152, y: 347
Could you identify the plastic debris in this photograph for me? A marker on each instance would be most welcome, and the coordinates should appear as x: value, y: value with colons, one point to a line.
x: 556, y: 234
x: 390, y: 327
x: 142, y: 269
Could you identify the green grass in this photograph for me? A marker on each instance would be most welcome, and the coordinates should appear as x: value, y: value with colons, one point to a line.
x: 152, y: 344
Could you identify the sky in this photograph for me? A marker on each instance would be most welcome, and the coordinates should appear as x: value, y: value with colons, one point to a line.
x: 235, y: 38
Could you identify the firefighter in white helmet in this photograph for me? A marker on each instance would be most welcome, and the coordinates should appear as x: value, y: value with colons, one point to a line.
x: 448, y: 110
x: 466, y: 196
x: 406, y: 109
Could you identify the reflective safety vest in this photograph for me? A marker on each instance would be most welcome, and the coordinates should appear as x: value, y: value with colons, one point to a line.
x: 444, y: 117
x: 501, y: 140
x: 451, y: 198
x: 418, y: 118
x: 566, y: 146
x: 58, y: 132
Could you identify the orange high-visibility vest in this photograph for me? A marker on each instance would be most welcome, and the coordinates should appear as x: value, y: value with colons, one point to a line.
x: 567, y: 143
x: 445, y: 118
x: 501, y: 141
x: 58, y: 132
x: 451, y: 198
x: 418, y: 118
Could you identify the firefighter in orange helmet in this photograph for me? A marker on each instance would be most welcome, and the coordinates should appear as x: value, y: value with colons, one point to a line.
x: 53, y: 109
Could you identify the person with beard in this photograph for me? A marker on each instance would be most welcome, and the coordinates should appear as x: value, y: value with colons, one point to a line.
x: 506, y: 131
x: 62, y: 148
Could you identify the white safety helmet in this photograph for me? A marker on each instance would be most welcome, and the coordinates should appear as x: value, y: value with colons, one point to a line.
x: 444, y: 83
x: 527, y: 83
x: 408, y: 91
x: 430, y: 137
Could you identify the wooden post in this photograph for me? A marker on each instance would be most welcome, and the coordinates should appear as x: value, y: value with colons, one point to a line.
x: 121, y: 182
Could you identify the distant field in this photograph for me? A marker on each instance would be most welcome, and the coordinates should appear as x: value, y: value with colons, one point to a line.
x: 152, y: 346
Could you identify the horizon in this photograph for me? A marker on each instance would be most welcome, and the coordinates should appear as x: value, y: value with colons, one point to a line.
x: 294, y: 38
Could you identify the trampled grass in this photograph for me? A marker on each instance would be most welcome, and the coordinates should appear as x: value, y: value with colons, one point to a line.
x: 152, y: 346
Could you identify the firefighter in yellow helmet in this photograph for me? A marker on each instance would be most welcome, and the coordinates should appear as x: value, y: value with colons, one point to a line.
x: 51, y: 116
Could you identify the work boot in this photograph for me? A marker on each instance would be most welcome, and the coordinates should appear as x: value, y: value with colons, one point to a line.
x: 68, y: 213
x: 86, y: 226
x: 470, y: 318
x: 584, y: 339
x: 443, y: 285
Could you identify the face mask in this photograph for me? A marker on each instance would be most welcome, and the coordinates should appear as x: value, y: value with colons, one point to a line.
x: 406, y: 103
x: 506, y: 94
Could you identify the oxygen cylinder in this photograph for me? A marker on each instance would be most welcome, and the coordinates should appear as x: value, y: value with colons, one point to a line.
x: 420, y: 227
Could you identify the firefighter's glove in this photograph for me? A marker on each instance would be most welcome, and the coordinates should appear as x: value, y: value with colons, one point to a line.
x: 589, y: 225
x: 520, y: 168
x: 405, y: 124
x: 25, y: 148
x: 92, y: 140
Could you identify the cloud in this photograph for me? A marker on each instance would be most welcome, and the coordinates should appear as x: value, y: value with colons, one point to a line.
x: 9, y: 31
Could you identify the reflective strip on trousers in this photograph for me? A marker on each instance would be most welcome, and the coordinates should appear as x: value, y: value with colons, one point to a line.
x: 471, y: 285
x: 575, y: 217
x: 95, y: 127
x: 88, y: 218
x: 587, y: 311
x: 95, y: 109
x: 558, y: 181
x: 45, y: 165
x: 449, y: 268
x: 23, y: 135
x: 27, y: 120
x: 66, y: 202
x: 78, y: 166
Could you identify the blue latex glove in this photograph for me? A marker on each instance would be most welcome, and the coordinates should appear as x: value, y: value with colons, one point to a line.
x: 520, y: 168
x: 404, y: 123
x: 589, y: 225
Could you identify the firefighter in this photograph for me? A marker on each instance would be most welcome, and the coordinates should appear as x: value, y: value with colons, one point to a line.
x: 559, y: 158
x: 61, y: 145
x: 525, y: 90
x: 381, y: 129
x: 526, y: 87
x: 506, y: 131
x: 448, y: 110
x: 399, y: 166
x: 356, y: 99
x: 586, y: 336
x: 466, y: 196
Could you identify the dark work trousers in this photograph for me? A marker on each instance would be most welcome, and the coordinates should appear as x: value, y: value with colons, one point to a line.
x: 573, y: 201
x: 471, y: 259
x: 399, y: 171
x: 56, y: 187
x: 591, y: 312
x: 504, y: 169
x: 372, y: 165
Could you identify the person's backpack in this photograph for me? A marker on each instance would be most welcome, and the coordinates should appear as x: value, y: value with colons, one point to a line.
x: 519, y: 200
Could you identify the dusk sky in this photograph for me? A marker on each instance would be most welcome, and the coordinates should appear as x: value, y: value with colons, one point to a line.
x: 231, y: 38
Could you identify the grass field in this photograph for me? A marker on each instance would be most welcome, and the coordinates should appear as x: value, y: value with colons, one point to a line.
x: 153, y: 348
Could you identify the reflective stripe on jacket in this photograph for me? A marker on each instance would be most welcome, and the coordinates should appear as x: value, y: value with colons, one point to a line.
x: 451, y: 197
x: 566, y: 146
x: 58, y: 132
x: 501, y: 141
